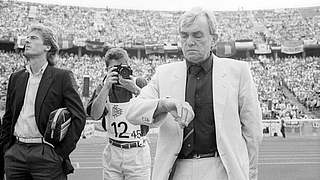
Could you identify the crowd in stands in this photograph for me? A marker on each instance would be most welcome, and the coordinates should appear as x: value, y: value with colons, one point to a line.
x: 118, y: 27
x: 9, y: 62
x: 93, y: 66
x: 274, y: 103
x: 300, y: 76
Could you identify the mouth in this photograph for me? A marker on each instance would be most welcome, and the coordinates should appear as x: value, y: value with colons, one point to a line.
x: 27, y: 45
x: 192, y: 51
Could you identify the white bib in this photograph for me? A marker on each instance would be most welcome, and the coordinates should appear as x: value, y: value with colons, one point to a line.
x: 118, y: 127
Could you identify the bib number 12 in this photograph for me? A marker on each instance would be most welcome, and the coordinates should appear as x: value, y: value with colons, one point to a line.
x: 115, y: 126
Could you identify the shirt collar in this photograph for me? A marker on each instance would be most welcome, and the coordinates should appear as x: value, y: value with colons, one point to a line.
x: 43, y: 68
x: 206, y: 64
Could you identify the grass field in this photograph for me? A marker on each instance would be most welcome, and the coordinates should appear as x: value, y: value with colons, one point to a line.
x: 294, y: 158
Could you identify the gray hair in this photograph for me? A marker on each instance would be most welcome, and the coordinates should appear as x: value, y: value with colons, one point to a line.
x: 189, y: 17
x: 49, y: 40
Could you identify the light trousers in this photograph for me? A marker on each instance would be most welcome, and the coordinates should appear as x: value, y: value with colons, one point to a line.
x: 126, y: 164
x: 200, y: 169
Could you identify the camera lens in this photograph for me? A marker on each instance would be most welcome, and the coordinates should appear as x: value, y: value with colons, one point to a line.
x: 125, y: 73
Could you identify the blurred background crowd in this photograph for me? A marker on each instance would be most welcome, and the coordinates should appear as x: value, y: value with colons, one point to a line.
x: 288, y: 87
x: 275, y: 81
x: 119, y: 26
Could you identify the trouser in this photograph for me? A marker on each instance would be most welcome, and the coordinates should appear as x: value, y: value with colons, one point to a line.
x: 1, y: 164
x: 126, y: 164
x: 283, y: 133
x: 200, y: 169
x: 26, y: 161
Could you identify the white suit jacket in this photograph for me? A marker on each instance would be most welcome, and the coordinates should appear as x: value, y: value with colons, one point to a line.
x: 237, y: 116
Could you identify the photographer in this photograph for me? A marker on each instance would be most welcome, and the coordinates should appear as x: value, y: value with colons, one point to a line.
x: 127, y: 154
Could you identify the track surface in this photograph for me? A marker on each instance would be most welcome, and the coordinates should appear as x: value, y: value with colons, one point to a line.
x: 293, y: 158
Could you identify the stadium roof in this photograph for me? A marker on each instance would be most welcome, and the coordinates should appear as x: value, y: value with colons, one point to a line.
x: 174, y: 5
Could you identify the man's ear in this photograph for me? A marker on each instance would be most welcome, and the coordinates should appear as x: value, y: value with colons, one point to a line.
x: 47, y: 48
x: 214, y: 37
x: 214, y: 40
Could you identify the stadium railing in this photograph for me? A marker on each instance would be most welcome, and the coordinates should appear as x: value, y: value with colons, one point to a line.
x: 293, y: 127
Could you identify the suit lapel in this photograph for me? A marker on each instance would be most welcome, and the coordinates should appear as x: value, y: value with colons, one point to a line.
x: 220, y: 90
x: 21, y: 86
x: 177, y: 87
x: 44, y: 85
x: 178, y: 83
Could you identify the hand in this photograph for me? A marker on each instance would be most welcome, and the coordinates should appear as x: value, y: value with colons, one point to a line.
x: 128, y: 84
x: 112, y: 78
x: 181, y: 111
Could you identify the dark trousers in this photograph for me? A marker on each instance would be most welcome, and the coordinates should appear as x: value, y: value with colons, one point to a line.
x: 33, y: 162
x: 283, y: 132
x: 1, y: 164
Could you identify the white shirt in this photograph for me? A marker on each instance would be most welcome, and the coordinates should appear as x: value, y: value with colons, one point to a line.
x: 26, y: 125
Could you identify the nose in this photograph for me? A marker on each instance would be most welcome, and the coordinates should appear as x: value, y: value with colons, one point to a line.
x: 190, y: 41
x: 27, y: 40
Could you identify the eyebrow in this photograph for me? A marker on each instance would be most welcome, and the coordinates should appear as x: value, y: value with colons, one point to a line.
x: 182, y: 32
x: 33, y: 36
x: 196, y: 32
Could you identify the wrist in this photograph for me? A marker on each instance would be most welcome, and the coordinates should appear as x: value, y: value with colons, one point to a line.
x: 163, y: 106
x: 107, y: 87
x: 136, y: 91
x: 105, y: 91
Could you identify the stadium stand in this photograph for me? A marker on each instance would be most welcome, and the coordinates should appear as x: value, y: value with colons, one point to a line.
x: 275, y: 77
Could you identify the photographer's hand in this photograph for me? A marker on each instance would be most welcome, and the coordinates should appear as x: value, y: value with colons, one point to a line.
x: 129, y: 84
x: 112, y: 78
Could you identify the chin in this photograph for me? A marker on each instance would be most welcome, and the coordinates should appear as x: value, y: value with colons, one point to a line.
x: 194, y: 59
x: 26, y: 51
x: 29, y: 54
x: 26, y: 54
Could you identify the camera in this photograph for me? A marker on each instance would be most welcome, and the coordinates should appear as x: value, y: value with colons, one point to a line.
x: 123, y: 70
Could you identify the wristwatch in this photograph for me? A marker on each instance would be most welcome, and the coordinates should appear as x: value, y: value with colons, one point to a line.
x: 136, y: 92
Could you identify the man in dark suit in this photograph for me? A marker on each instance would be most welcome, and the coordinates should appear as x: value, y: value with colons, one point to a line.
x: 33, y: 93
x: 1, y: 154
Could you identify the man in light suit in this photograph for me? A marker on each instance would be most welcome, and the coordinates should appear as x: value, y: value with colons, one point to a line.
x: 33, y: 93
x: 221, y: 140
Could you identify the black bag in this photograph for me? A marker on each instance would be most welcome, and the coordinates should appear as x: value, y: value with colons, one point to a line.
x: 57, y: 126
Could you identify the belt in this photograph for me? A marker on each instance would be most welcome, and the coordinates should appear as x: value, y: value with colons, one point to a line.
x: 126, y: 145
x: 199, y: 156
x: 37, y: 140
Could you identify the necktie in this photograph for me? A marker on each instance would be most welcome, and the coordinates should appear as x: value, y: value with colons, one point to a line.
x: 188, y: 136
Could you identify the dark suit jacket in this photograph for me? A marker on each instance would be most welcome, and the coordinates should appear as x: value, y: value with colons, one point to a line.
x: 1, y: 155
x: 57, y: 89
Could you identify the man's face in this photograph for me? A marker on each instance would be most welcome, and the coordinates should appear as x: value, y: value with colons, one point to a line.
x: 34, y: 45
x: 113, y: 63
x: 196, y: 40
